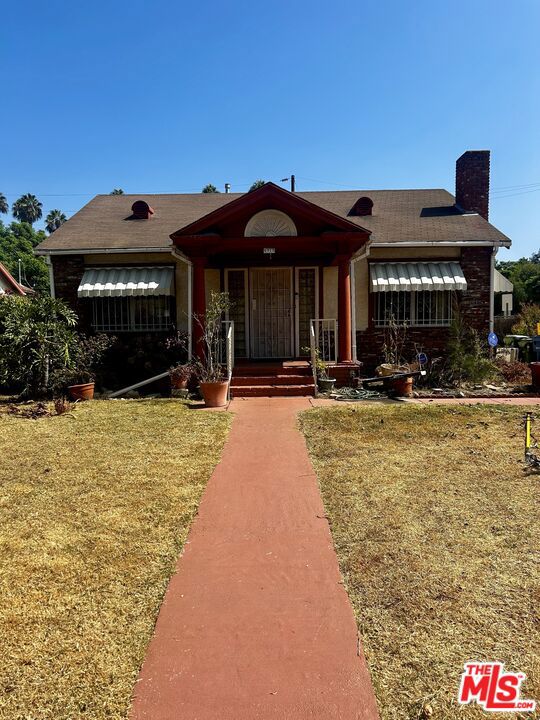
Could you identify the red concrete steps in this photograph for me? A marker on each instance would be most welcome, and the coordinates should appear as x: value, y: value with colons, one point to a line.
x: 265, y: 369
x: 272, y: 379
x: 305, y: 390
x: 238, y: 380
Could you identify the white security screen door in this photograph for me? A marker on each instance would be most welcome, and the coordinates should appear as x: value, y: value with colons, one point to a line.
x: 271, y: 312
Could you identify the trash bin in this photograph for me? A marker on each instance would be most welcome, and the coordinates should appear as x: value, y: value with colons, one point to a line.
x: 535, y: 372
x: 525, y: 349
x: 536, y: 348
x: 513, y: 340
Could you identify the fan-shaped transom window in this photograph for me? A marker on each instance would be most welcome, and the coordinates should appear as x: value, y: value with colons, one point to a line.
x: 270, y: 223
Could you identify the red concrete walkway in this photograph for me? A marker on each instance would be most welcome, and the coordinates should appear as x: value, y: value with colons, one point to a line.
x: 475, y: 401
x: 256, y: 623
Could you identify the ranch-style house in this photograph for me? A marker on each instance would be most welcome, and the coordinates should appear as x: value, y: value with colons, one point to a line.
x: 337, y: 264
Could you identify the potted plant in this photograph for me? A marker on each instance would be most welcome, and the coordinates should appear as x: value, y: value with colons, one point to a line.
x: 208, y: 366
x: 395, y: 340
x: 180, y: 376
x: 79, y: 374
x: 324, y: 381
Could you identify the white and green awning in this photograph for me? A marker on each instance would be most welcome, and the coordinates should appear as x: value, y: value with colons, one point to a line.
x: 403, y: 277
x: 119, y: 281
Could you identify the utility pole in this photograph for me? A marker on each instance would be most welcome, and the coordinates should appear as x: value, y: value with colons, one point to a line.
x: 293, y: 182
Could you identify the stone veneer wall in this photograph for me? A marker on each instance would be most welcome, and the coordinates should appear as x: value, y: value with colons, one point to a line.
x: 476, y: 266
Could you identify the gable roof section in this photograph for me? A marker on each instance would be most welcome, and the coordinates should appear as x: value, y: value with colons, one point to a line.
x: 399, y: 216
x: 258, y: 200
x: 8, y: 284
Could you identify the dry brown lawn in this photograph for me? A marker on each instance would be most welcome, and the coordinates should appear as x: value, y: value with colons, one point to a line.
x: 436, y: 527
x: 94, y: 509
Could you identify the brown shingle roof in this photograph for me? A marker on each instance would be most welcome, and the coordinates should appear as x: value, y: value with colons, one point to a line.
x: 398, y: 216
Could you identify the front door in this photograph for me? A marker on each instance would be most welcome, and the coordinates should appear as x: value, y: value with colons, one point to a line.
x: 271, y: 312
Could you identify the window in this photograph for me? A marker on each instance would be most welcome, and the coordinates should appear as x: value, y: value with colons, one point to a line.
x: 132, y: 313
x: 425, y: 308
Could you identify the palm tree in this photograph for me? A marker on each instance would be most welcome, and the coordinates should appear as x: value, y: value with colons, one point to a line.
x: 117, y: 191
x: 210, y: 188
x: 4, y: 207
x: 27, y: 209
x: 53, y: 220
x: 257, y: 184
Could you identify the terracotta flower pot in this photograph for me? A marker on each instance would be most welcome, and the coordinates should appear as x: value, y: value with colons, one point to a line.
x: 178, y: 384
x: 85, y: 391
x: 403, y: 387
x: 214, y: 393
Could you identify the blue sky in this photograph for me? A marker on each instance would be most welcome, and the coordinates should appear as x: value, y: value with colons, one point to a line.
x: 167, y: 96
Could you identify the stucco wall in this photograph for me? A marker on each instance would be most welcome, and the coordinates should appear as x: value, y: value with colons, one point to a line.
x: 330, y: 292
x: 212, y: 282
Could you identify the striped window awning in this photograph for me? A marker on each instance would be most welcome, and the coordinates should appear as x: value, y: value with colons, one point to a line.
x: 403, y: 277
x: 120, y: 281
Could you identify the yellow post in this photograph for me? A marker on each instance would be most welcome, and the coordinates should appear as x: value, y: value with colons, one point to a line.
x: 538, y: 328
x: 528, y: 431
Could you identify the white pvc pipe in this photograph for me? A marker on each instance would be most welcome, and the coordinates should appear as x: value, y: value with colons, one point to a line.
x: 492, y: 291
x: 117, y: 393
x: 51, y: 276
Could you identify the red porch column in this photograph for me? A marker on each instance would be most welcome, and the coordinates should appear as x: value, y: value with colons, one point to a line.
x: 199, y: 304
x: 344, y: 308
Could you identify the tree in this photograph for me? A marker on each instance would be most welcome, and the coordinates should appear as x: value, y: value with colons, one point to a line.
x: 257, y: 184
x: 17, y: 242
x: 524, y: 274
x: 117, y: 191
x: 27, y: 209
x: 210, y: 188
x: 54, y: 219
x: 4, y: 207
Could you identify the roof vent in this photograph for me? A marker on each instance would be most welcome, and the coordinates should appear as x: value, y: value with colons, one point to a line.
x: 141, y: 210
x: 363, y: 206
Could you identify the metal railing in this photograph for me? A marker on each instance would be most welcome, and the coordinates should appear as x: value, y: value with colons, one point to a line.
x: 313, y: 353
x: 324, y: 338
x: 227, y: 350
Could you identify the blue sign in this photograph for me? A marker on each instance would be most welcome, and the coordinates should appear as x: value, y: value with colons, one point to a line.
x: 422, y: 358
x: 493, y: 340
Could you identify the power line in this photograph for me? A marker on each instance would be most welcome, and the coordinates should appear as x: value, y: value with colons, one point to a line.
x: 515, y: 187
x: 501, y: 192
x: 525, y: 192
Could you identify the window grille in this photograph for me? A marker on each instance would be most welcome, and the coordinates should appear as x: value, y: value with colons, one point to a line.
x: 422, y: 309
x: 132, y: 313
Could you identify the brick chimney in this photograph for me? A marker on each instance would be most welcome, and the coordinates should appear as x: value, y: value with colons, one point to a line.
x: 472, y: 182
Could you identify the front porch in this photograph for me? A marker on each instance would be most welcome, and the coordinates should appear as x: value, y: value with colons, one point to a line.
x: 281, y: 267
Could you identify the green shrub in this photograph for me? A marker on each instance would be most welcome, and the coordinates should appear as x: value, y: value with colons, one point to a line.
x: 467, y: 361
x: 36, y: 338
x: 527, y: 319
